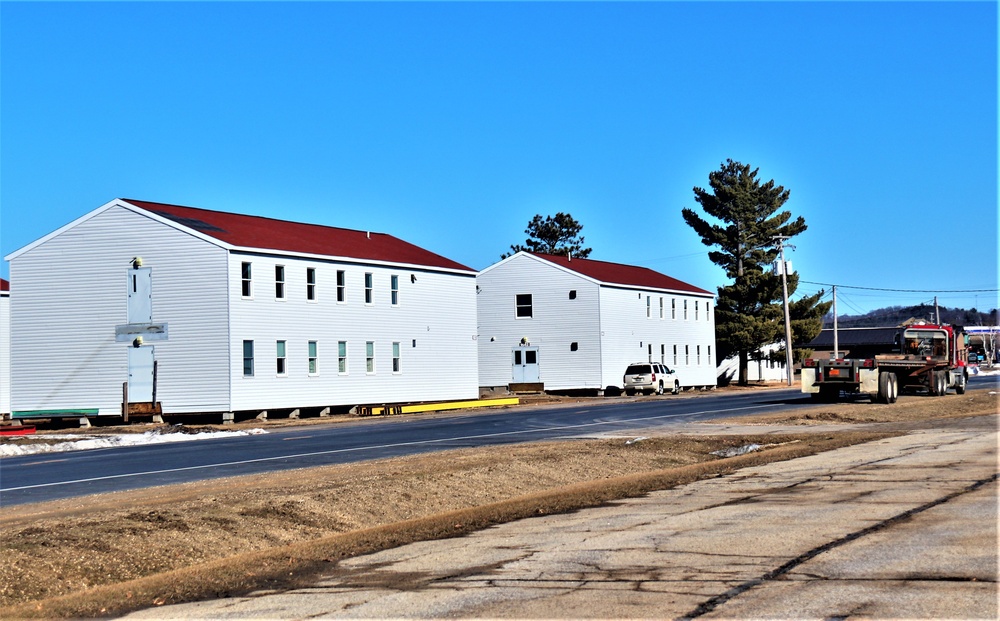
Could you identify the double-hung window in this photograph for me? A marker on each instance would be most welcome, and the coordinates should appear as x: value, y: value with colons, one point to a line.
x: 369, y: 287
x: 342, y: 357
x: 247, y: 358
x: 685, y: 310
x: 673, y: 309
x: 313, y: 358
x: 246, y: 279
x: 696, y: 310
x: 522, y: 303
x: 395, y: 359
x: 675, y: 355
x: 279, y: 282
x: 311, y: 283
x: 280, y: 357
x: 369, y: 356
x: 649, y: 307
x: 394, y: 289
x: 661, y: 308
x: 341, y: 286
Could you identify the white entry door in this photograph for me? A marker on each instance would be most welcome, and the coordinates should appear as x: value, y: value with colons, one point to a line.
x: 140, y: 374
x: 525, y: 365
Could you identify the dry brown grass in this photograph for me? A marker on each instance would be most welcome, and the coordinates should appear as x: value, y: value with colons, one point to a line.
x: 105, y: 555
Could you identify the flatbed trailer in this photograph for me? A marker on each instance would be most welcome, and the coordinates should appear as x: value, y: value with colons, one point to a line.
x: 929, y: 357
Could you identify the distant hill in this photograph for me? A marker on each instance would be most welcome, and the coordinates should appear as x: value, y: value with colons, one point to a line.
x: 895, y: 315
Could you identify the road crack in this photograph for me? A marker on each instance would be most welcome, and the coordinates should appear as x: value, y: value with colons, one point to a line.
x: 714, y: 602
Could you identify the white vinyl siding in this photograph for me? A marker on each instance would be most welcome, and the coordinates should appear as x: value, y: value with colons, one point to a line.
x: 197, y: 290
x: 190, y: 292
x: 557, y: 320
x: 438, y: 314
x: 610, y: 325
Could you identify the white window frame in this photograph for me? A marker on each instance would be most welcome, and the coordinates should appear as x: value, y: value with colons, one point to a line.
x: 342, y: 366
x: 312, y: 356
x: 518, y: 306
x: 310, y: 284
x: 247, y: 358
x: 661, y: 307
x: 675, y: 355
x: 341, y: 287
x: 246, y: 280
x: 685, y: 310
x: 281, y: 358
x: 394, y: 289
x: 279, y: 282
x: 649, y: 307
x: 369, y: 288
x: 673, y: 308
x: 397, y: 366
x: 369, y: 357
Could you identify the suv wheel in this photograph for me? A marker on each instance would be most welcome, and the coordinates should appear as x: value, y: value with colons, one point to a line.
x: 677, y: 388
x: 659, y: 388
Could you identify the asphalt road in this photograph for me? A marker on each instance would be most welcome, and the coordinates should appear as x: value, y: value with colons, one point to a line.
x: 39, y: 478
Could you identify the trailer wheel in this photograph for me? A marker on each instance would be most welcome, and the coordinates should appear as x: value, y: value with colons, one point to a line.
x: 960, y: 384
x: 941, y: 380
x: 893, y: 388
x: 884, y: 388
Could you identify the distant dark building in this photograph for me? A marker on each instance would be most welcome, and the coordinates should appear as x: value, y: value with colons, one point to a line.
x: 857, y: 342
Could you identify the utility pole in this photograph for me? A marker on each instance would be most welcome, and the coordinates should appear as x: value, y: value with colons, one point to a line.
x: 937, y: 312
x: 836, y: 345
x: 780, y: 239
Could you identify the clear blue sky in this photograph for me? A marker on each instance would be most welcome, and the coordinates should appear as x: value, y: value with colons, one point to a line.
x: 451, y: 125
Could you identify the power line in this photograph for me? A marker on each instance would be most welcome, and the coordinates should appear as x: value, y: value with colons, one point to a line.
x: 824, y: 284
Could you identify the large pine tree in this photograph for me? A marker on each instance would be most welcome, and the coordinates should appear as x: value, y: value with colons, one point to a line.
x: 747, y: 218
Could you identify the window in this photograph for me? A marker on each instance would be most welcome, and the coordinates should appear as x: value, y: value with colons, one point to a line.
x: 395, y: 358
x: 279, y: 282
x: 673, y: 309
x: 523, y: 305
x: 247, y: 358
x: 696, y: 310
x: 342, y: 357
x: 280, y: 357
x: 369, y: 356
x: 341, y: 286
x: 687, y: 354
x: 369, y: 279
x: 661, y: 308
x: 697, y: 350
x: 310, y: 283
x: 649, y: 352
x: 709, y: 354
x: 675, y: 355
x: 663, y: 354
x: 685, y: 310
x: 649, y: 307
x: 313, y: 358
x: 572, y: 294
x: 394, y: 287
x: 246, y: 275
x: 707, y: 308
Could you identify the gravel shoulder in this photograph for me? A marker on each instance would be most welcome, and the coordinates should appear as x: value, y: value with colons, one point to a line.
x: 108, y: 554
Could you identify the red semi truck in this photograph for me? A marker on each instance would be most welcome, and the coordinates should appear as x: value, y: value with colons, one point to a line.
x: 923, y: 356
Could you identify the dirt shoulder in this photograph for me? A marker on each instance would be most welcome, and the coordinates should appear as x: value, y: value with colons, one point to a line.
x: 106, y: 554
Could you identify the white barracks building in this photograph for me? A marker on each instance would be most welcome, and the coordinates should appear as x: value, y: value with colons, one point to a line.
x: 233, y: 313
x: 576, y: 324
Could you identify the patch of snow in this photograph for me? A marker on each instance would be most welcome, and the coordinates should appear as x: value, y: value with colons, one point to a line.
x: 739, y: 450
x: 72, y: 442
x: 634, y: 440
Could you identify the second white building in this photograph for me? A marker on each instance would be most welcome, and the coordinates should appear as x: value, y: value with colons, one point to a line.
x: 576, y: 324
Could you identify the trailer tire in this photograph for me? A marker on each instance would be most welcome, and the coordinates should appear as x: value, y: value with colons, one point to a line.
x: 942, y: 383
x: 884, y: 393
x: 894, y: 388
x: 960, y: 384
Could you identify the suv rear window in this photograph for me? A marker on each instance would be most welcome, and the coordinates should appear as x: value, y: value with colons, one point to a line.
x: 636, y: 369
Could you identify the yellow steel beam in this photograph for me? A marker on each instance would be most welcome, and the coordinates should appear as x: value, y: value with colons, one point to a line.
x: 436, y: 407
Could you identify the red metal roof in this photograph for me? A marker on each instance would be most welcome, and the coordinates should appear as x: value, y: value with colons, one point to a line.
x: 4, y: 285
x: 280, y: 235
x: 619, y: 274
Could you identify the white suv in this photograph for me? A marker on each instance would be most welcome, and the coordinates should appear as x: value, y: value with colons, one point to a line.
x: 650, y: 377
